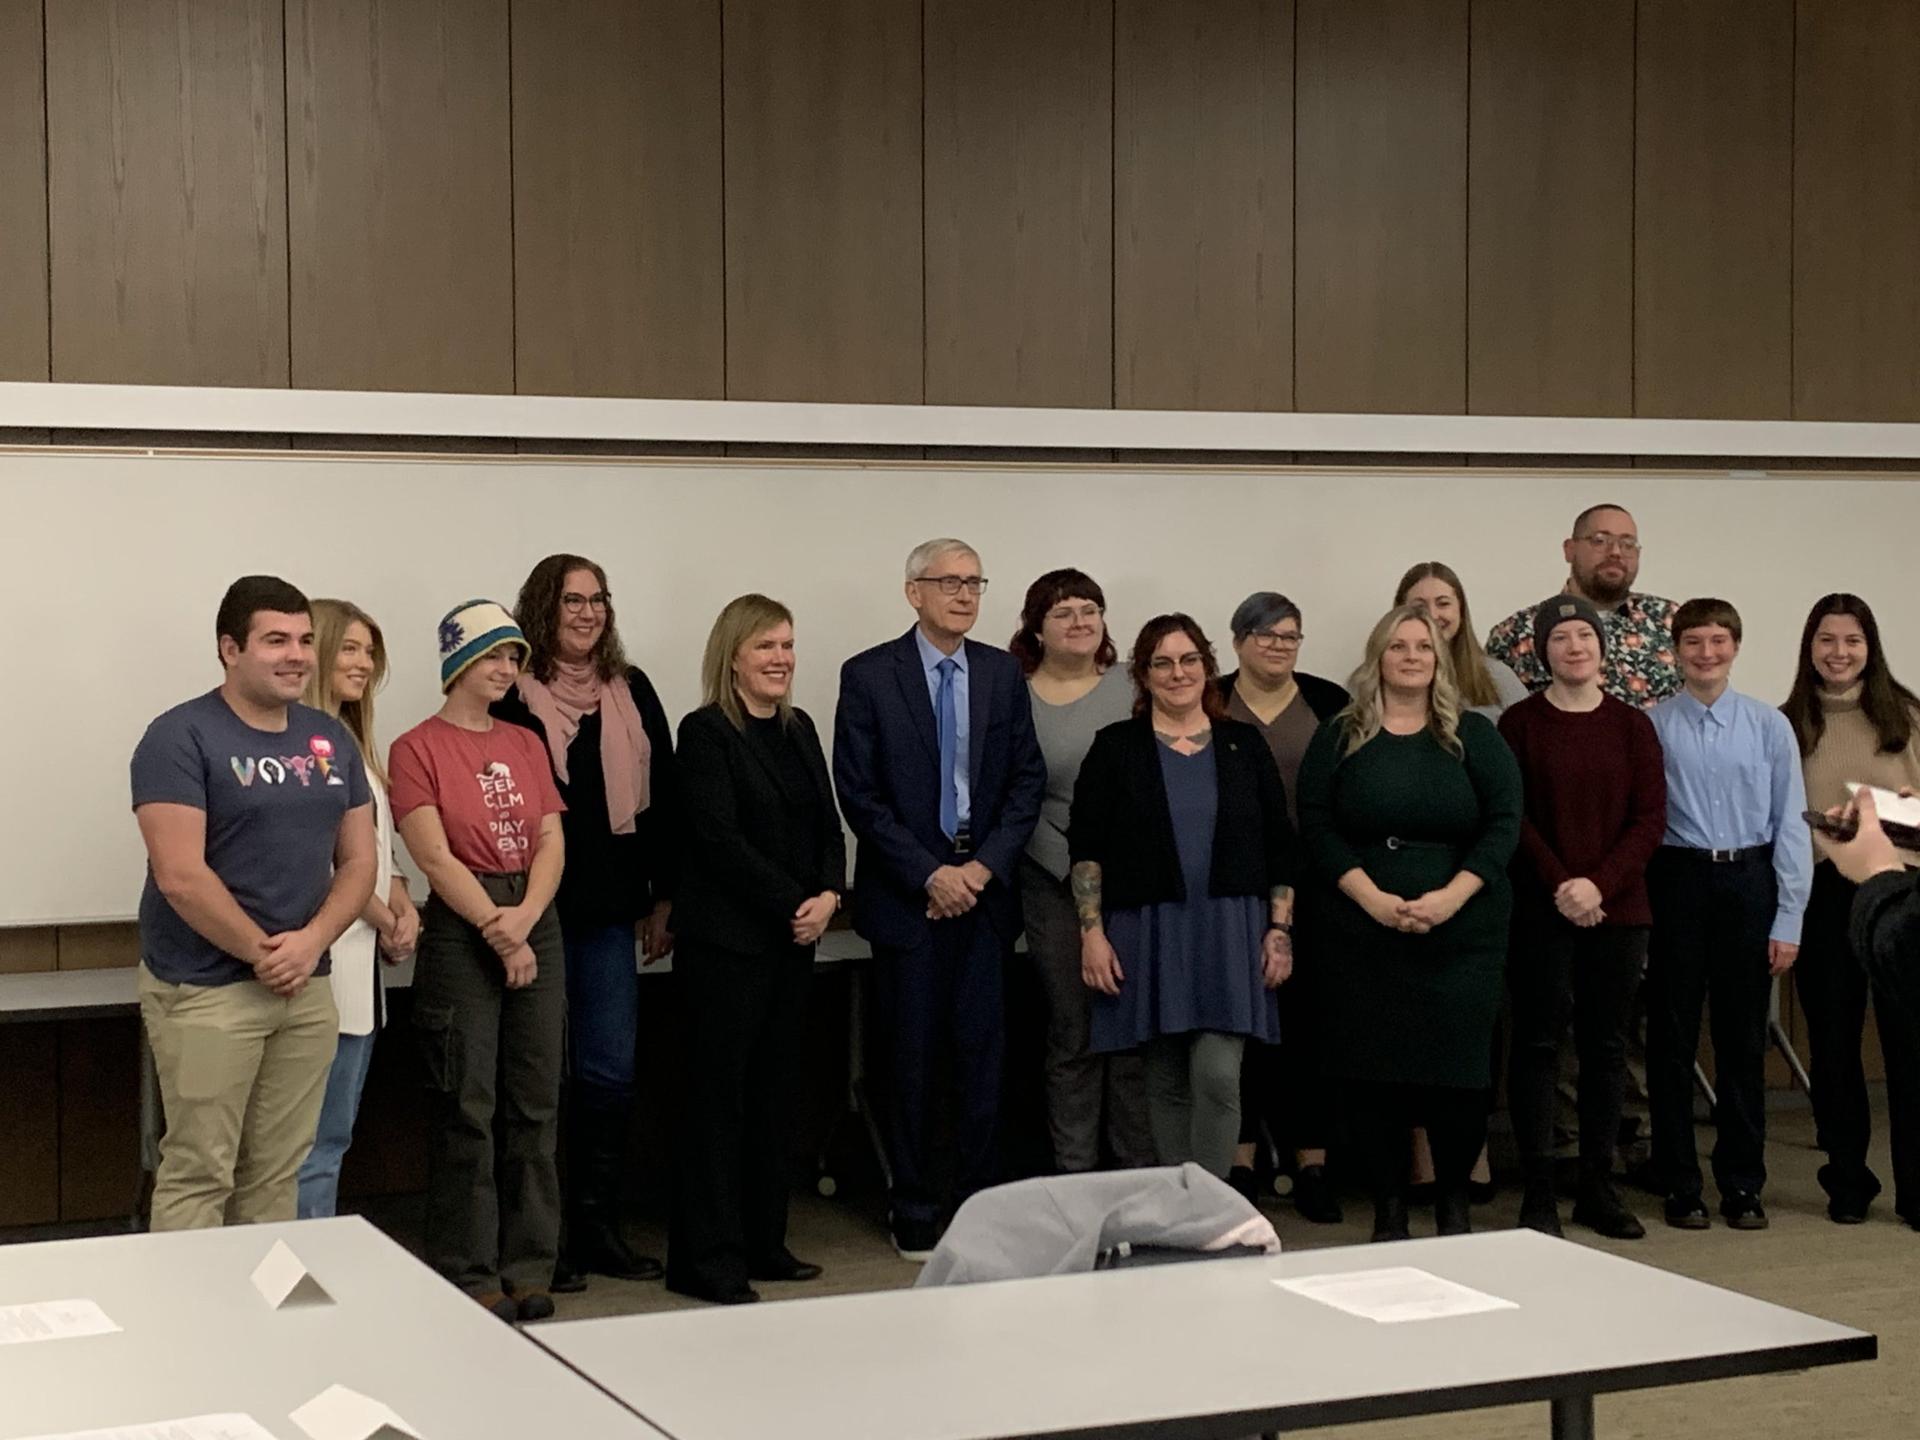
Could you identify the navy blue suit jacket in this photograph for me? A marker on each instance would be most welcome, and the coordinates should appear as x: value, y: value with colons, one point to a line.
x: 886, y: 768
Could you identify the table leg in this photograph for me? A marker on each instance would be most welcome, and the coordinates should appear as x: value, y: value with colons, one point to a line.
x: 150, y: 1122
x: 1573, y: 1417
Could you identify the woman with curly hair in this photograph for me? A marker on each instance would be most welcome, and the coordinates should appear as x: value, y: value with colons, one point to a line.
x: 1409, y: 815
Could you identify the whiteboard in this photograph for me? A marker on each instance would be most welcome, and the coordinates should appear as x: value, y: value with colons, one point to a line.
x: 115, y: 563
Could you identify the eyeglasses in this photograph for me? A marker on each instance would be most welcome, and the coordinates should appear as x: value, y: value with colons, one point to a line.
x: 1600, y: 540
x: 1067, y: 614
x: 1270, y: 640
x: 573, y: 604
x: 954, y: 584
x: 1167, y: 664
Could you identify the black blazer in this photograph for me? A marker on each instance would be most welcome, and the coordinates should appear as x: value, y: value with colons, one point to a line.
x: 1324, y: 698
x: 741, y: 873
x: 886, y: 766
x: 1121, y: 821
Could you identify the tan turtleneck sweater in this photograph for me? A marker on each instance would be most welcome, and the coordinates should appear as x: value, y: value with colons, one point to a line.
x: 1849, y: 750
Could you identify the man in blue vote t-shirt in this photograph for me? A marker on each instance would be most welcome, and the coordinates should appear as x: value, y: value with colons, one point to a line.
x: 258, y: 825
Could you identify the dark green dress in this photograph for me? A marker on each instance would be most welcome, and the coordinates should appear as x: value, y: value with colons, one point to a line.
x: 1400, y: 1008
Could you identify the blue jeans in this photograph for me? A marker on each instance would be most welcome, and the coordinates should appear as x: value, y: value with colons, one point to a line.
x: 320, y: 1171
x: 603, y: 1008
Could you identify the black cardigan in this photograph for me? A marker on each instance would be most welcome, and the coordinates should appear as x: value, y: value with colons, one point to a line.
x: 742, y: 876
x: 1121, y: 821
x: 1323, y: 697
x: 612, y: 879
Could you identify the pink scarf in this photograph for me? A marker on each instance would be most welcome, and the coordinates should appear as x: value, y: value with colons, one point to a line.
x: 625, y: 752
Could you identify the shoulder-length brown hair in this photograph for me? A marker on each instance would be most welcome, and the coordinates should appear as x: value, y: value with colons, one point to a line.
x: 1886, y: 703
x: 1045, y: 593
x: 1470, y: 672
x: 740, y: 620
x: 538, y: 613
x: 1151, y: 634
x: 330, y: 621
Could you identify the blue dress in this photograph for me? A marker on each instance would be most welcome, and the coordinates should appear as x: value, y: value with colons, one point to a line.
x: 1191, y: 964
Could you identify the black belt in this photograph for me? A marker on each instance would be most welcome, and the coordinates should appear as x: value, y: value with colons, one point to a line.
x: 1721, y: 857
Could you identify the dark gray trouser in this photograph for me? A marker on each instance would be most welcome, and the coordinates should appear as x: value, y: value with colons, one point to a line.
x: 1193, y: 1098
x: 1080, y: 1087
x: 493, y: 1063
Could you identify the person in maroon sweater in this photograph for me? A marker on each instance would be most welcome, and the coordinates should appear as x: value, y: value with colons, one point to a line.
x: 1596, y: 808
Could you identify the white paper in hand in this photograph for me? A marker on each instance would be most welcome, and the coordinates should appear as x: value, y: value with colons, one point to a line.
x: 1394, y: 1295
x: 338, y: 1413
x: 284, y: 1281
x: 52, y: 1320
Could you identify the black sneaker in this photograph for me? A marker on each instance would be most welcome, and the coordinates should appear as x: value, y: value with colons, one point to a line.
x: 1687, y: 1212
x: 1742, y: 1210
x: 534, y: 1305
x: 915, y: 1240
x: 1847, y: 1200
x: 1602, y: 1211
x: 1313, y: 1197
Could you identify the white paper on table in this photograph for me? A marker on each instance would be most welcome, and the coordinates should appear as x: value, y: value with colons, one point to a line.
x: 284, y: 1280
x: 338, y: 1413
x: 52, y: 1320
x: 1394, y: 1295
x: 198, y: 1427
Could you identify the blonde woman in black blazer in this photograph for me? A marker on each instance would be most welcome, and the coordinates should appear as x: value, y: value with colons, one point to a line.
x: 761, y: 876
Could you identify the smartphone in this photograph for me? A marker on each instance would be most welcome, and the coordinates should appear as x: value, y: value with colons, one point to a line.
x: 1904, y: 836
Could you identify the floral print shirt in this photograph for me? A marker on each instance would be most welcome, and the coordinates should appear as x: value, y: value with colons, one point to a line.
x: 1640, y: 666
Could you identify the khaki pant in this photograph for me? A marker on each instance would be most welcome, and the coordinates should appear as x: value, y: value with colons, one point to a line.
x: 242, y: 1074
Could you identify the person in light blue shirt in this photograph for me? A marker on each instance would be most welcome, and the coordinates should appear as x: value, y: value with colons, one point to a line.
x: 1729, y: 885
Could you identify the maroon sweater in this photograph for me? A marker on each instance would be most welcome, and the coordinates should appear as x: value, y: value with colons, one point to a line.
x: 1596, y: 805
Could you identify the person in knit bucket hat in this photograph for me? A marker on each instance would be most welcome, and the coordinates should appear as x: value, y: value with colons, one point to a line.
x: 472, y: 629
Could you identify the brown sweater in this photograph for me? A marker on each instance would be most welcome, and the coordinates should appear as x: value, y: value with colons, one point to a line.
x: 1849, y: 749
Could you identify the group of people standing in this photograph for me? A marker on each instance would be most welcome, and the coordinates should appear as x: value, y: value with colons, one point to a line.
x: 1254, y: 901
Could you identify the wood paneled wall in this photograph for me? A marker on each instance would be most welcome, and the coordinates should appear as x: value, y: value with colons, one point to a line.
x: 1655, y: 207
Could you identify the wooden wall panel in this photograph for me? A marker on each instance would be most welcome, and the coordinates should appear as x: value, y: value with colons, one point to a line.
x: 1380, y: 206
x: 30, y: 1125
x: 1019, y: 202
x: 1203, y: 204
x: 1856, y: 211
x: 28, y: 950
x: 399, y: 164
x: 823, y: 174
x: 99, y: 947
x: 618, y: 288
x: 167, y: 190
x: 99, y: 1118
x: 1550, y: 209
x: 23, y: 181
x: 1713, y: 159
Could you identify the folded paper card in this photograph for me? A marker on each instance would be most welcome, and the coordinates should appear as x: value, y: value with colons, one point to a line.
x: 338, y: 1413
x: 284, y: 1280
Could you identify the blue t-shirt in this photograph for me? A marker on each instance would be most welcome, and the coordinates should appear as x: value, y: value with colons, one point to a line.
x: 274, y: 802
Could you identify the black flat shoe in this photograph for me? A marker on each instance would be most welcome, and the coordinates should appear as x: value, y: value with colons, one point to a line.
x: 1482, y: 1192
x: 784, y: 1266
x: 1313, y: 1197
x: 1245, y: 1182
x: 713, y: 1294
x: 1848, y: 1199
x: 534, y: 1305
x: 566, y: 1279
x: 1602, y: 1211
x: 1390, y: 1219
x: 1540, y: 1208
x: 1687, y: 1212
x: 1452, y: 1212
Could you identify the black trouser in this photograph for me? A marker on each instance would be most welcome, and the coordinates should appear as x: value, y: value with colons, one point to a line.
x: 940, y: 1003
x: 743, y: 1025
x: 1832, y: 986
x: 493, y: 1060
x: 1710, y: 926
x: 1381, y: 1120
x: 1556, y: 972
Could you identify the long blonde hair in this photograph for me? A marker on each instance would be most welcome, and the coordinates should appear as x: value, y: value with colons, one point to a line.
x: 739, y: 621
x: 330, y: 621
x: 1365, y: 715
x: 1470, y: 672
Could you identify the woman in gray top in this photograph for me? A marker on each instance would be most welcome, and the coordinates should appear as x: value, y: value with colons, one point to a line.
x: 1076, y: 689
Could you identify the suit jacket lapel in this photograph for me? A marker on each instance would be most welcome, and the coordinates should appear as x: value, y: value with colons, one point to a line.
x: 912, y: 676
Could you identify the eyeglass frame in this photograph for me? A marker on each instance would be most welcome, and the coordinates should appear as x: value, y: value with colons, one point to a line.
x: 951, y: 585
x: 1268, y: 640
x: 1605, y: 540
x: 574, y: 604
x: 1167, y: 664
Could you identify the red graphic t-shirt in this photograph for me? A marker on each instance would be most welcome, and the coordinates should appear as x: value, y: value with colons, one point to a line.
x: 492, y: 790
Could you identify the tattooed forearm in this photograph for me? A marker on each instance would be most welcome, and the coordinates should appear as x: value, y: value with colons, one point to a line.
x: 1084, y: 879
x: 1280, y: 904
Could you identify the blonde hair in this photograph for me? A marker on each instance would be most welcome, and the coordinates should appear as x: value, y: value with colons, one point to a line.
x: 740, y: 620
x: 1365, y: 715
x: 1471, y: 675
x: 330, y: 621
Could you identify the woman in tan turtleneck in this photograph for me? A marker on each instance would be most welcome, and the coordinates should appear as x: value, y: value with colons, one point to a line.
x: 1855, y: 723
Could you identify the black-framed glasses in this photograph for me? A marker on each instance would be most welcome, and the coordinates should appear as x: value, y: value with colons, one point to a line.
x: 954, y: 584
x: 574, y: 604
x: 1269, y: 640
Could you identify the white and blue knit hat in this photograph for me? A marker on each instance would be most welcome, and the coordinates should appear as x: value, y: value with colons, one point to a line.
x: 469, y: 631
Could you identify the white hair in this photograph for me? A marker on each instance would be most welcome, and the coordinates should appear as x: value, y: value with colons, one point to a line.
x: 923, y: 555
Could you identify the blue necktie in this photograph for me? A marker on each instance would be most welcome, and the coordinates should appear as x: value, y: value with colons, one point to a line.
x: 949, y: 748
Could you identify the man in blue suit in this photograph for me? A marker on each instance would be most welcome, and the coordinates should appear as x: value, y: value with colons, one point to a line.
x: 940, y: 778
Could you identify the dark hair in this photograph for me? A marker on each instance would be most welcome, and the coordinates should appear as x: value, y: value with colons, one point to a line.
x: 538, y: 613
x: 1262, y: 610
x: 1593, y: 510
x: 1704, y: 610
x: 1045, y: 593
x: 1885, y: 702
x: 1151, y: 634
x: 247, y: 597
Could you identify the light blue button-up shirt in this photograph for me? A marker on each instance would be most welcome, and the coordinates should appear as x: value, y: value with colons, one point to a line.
x: 1734, y: 781
x: 930, y: 657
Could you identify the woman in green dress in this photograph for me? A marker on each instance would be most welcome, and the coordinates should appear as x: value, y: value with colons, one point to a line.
x: 1409, y: 813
